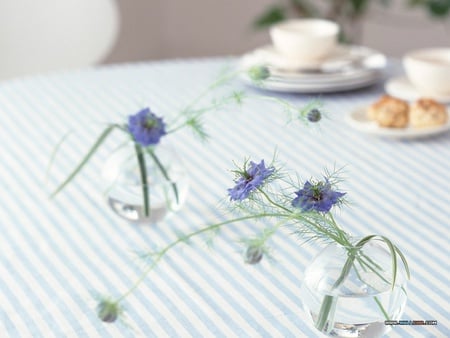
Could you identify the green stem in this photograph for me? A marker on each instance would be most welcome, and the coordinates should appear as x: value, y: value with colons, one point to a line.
x: 365, y: 262
x: 379, y: 304
x: 341, y: 233
x: 143, y: 173
x: 346, y: 269
x: 164, y: 172
x: 286, y: 104
x: 53, y: 156
x: 322, y: 230
x: 382, y: 309
x: 371, y: 261
x: 85, y: 159
x: 328, y: 305
x: 289, y: 107
x: 198, y: 112
x: 273, y: 202
x: 362, y: 267
x: 327, y: 310
x: 187, y: 237
x: 375, y: 271
x: 221, y: 80
x: 404, y: 261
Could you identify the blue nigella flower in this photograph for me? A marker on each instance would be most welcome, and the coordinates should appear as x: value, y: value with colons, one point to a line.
x: 316, y: 197
x: 249, y: 180
x: 146, y: 127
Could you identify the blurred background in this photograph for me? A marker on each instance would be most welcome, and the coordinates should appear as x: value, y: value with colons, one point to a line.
x: 52, y: 35
x: 156, y: 29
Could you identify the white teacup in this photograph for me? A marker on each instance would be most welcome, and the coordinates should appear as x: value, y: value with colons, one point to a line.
x: 429, y: 70
x: 306, y: 39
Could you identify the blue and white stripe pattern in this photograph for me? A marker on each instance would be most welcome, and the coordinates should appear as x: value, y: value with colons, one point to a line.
x: 56, y: 255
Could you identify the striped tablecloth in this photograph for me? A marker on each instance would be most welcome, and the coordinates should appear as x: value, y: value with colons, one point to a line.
x: 57, y: 255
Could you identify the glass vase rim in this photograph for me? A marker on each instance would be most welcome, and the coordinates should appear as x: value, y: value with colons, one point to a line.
x: 353, y: 240
x: 121, y: 155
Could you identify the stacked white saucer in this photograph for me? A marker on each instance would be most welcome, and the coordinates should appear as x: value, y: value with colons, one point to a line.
x: 306, y: 58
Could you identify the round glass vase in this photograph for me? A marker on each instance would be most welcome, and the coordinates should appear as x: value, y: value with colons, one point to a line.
x: 348, y: 291
x: 166, y: 187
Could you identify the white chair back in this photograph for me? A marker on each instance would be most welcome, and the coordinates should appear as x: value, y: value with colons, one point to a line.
x: 39, y: 36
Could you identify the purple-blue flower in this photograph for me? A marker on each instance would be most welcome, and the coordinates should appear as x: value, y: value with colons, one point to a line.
x: 146, y: 127
x: 249, y: 180
x: 317, y: 197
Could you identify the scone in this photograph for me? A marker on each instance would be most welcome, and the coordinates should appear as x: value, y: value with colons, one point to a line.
x: 427, y: 113
x: 389, y: 112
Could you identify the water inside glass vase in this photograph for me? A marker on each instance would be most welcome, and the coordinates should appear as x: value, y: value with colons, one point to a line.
x: 167, y: 184
x: 360, y: 305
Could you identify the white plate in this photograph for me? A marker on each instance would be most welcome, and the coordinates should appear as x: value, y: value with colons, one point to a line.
x: 325, y: 79
x: 344, y: 56
x: 358, y: 120
x: 292, y: 87
x: 350, y: 67
x: 401, y: 88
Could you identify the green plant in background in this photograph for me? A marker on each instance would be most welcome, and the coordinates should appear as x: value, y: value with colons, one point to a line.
x: 347, y: 12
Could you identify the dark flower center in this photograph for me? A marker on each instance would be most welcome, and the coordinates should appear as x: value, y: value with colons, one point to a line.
x: 150, y: 123
x: 317, y: 193
x: 247, y: 176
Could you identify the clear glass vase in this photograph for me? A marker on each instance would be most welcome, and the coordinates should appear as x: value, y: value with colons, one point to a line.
x: 356, y: 304
x: 167, y: 183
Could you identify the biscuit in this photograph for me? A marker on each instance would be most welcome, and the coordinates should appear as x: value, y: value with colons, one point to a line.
x: 389, y: 112
x: 427, y: 113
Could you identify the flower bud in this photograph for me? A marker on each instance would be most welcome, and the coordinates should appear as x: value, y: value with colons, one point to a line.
x: 253, y: 254
x: 314, y: 115
x: 108, y: 311
x: 258, y: 73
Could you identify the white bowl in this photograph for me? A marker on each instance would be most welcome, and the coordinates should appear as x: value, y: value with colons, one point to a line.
x: 307, y: 39
x: 429, y: 70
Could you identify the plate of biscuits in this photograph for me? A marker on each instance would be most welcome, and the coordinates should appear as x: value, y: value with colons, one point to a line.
x: 395, y: 118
